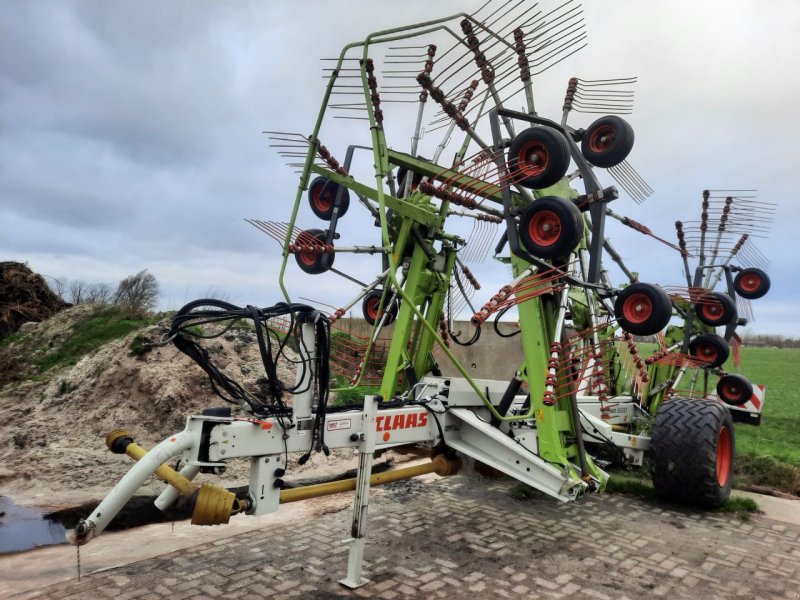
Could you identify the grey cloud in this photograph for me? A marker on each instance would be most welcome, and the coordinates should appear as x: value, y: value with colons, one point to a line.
x: 131, y: 131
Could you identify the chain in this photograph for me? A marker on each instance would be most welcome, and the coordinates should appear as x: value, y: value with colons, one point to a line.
x: 78, y: 559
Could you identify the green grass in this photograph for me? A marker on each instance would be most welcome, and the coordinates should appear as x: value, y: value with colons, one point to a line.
x: 88, y: 335
x: 636, y: 484
x: 779, y: 434
x: 352, y: 395
x: 768, y: 472
x: 10, y: 339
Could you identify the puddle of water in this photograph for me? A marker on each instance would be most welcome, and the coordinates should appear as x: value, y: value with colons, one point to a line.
x: 24, y: 527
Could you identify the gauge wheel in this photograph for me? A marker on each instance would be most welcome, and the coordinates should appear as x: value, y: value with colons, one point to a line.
x: 538, y: 158
x: 322, y: 197
x: 716, y: 309
x: 751, y: 283
x: 313, y: 263
x: 371, y: 308
x: 550, y: 227
x: 734, y: 390
x: 643, y: 309
x: 710, y: 348
x: 607, y: 141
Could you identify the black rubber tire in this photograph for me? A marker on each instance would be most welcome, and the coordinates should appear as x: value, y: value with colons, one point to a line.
x: 322, y: 196
x: 369, y: 308
x: 313, y: 263
x: 416, y: 179
x: 716, y: 309
x: 751, y: 283
x: 710, y: 348
x: 692, y: 451
x: 538, y: 158
x: 607, y: 141
x: 734, y: 390
x: 643, y: 309
x: 550, y: 227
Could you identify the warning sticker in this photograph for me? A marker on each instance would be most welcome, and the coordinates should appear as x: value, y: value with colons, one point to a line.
x: 339, y: 424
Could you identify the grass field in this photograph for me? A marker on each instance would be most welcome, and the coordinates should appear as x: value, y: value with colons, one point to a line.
x: 779, y: 433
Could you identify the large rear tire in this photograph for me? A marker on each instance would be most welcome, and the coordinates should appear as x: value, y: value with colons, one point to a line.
x: 693, y: 452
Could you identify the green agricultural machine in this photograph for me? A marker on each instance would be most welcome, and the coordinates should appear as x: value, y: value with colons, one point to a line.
x: 609, y: 372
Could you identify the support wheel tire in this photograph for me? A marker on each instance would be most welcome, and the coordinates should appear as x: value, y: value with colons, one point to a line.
x: 313, y: 263
x: 538, y: 158
x: 550, y: 227
x: 710, y: 348
x: 751, y: 283
x: 716, y: 309
x: 607, y: 141
x: 322, y: 197
x: 693, y: 452
x: 734, y: 390
x: 370, y: 307
x: 643, y: 309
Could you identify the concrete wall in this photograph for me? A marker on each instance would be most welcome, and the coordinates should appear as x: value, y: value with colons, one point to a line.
x: 491, y: 357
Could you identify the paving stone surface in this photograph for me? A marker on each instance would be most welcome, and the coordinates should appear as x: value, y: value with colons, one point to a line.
x: 463, y: 538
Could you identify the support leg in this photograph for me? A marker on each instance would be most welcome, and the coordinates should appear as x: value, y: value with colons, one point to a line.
x: 361, y: 502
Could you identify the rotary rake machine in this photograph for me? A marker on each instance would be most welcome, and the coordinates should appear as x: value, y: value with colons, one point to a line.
x: 584, y: 394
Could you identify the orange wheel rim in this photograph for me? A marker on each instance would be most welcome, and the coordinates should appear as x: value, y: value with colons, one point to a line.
x: 322, y: 198
x: 533, y: 159
x: 750, y: 282
x: 707, y: 352
x: 308, y: 258
x: 372, y: 308
x: 637, y: 309
x: 732, y: 391
x: 724, y: 456
x: 544, y: 228
x: 602, y: 138
x: 712, y: 311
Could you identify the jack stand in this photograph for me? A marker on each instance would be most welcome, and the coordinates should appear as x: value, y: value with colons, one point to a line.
x: 361, y: 503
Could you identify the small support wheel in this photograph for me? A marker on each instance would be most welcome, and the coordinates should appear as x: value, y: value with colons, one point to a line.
x: 734, y: 390
x: 550, y: 227
x: 643, y: 309
x: 710, y: 348
x: 371, y: 308
x: 693, y: 451
x: 416, y: 179
x: 751, y: 283
x: 313, y: 263
x: 322, y: 197
x: 716, y: 309
x: 538, y: 158
x: 607, y: 141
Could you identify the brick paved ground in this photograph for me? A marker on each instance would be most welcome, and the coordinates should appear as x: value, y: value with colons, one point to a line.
x: 459, y: 538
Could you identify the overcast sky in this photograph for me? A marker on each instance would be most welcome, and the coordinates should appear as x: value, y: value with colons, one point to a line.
x: 130, y: 133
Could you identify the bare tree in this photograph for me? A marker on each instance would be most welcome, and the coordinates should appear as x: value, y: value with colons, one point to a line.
x: 98, y: 293
x: 76, y: 291
x: 137, y: 293
x: 58, y: 286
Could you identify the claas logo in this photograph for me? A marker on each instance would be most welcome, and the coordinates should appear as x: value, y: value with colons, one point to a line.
x: 402, y: 421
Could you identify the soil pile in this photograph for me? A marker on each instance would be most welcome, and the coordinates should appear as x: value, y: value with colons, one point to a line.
x: 53, y: 425
x: 24, y: 296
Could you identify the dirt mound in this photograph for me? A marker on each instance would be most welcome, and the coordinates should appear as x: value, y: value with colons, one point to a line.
x: 53, y: 425
x: 24, y: 296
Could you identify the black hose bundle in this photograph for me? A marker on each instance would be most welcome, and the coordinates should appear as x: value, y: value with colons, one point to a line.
x: 190, y: 319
